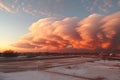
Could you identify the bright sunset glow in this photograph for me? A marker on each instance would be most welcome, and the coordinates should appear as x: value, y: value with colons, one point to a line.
x: 53, y: 25
x: 3, y: 47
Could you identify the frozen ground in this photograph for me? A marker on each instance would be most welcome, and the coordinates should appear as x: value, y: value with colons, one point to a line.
x: 35, y: 75
x: 108, y: 70
x: 61, y: 69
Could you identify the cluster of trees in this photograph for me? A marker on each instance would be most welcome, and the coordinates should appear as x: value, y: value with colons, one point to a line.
x: 9, y: 53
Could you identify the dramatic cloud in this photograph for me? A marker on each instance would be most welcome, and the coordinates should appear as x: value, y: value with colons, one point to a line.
x: 92, y: 32
x: 2, y: 6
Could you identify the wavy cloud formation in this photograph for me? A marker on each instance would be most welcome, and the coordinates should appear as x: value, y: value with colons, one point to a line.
x: 92, y: 32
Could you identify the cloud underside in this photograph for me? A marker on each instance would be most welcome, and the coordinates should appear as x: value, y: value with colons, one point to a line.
x: 92, y: 32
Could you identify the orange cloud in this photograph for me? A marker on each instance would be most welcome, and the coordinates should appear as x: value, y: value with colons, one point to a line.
x: 92, y: 32
x: 2, y: 6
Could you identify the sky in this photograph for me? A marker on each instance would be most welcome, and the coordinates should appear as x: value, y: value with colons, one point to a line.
x: 59, y: 25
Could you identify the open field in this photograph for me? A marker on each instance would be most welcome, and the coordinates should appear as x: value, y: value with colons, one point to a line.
x: 77, y: 68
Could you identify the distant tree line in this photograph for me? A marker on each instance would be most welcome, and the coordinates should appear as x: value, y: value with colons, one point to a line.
x: 11, y: 53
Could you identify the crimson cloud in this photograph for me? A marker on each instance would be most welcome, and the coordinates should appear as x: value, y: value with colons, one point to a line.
x: 92, y: 32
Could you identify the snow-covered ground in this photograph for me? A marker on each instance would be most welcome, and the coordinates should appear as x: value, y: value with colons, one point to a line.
x: 64, y: 69
x: 35, y: 75
x: 108, y: 70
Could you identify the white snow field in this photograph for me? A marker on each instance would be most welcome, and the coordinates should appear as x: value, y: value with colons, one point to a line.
x: 62, y: 69
x: 108, y: 70
x: 35, y: 75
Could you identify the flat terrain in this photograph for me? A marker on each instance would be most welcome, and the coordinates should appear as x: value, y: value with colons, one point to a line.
x: 79, y: 68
